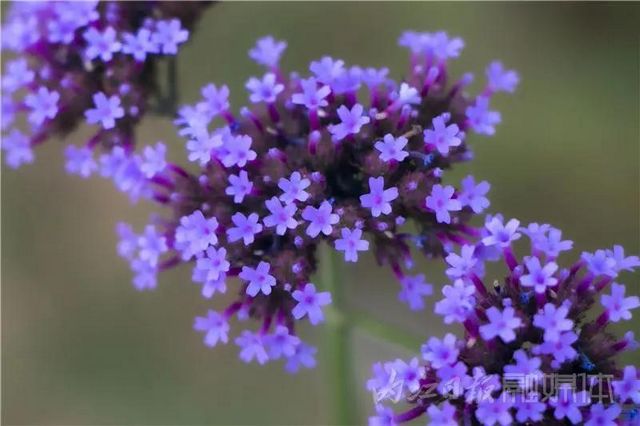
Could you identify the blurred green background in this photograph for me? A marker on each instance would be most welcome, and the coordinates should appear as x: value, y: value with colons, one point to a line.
x: 80, y: 346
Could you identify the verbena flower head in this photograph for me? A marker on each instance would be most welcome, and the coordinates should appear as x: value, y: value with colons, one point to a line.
x: 532, y: 351
x: 314, y: 158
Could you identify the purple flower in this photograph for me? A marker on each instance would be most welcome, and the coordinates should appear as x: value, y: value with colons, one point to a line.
x: 246, y: 227
x: 101, y: 44
x: 216, y: 100
x: 453, y: 379
x: 239, y: 186
x: 373, y: 77
x: 151, y: 245
x: 310, y: 303
x: 17, y: 75
x: 312, y: 96
x: 145, y: 275
x: 501, y: 324
x: 458, y: 302
x: 500, y: 79
x: 259, y: 279
x: 282, y: 343
x: 195, y: 234
x: 209, y: 287
x: 599, y: 415
x: 525, y: 370
x: 441, y: 352
x: 80, y: 161
x: 168, y: 34
x: 267, y: 51
x: 623, y: 263
x: 501, y: 234
x: 618, y: 307
x: 443, y: 137
x: 600, y: 263
x: 139, y: 45
x: 252, y: 347
x: 378, y: 199
x: 391, y: 148
x: 472, y: 195
x: 567, y: 404
x: 321, y: 219
x: 17, y: 148
x: 294, y: 188
x: 327, y: 69
x: 214, y: 326
x: 553, y: 321
x: 348, y: 81
x: 281, y: 216
x: 351, y: 243
x: 414, y: 288
x: 237, y: 151
x: 495, y: 411
x: 384, y: 417
x: 265, y: 90
x: 304, y: 356
x: 127, y: 240
x: 214, y: 264
x: 562, y: 349
x: 202, y: 145
x: 443, y: 416
x: 482, y: 386
x: 154, y: 160
x: 529, y: 408
x: 463, y: 264
x: 106, y: 112
x: 552, y: 244
x: 628, y: 387
x: 409, y: 373
x: 481, y: 119
x: 441, y: 201
x: 351, y: 122
x: 42, y: 104
x: 540, y: 277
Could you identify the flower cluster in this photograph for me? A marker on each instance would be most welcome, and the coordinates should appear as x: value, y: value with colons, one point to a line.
x: 530, y: 352
x: 345, y: 155
x: 84, y: 60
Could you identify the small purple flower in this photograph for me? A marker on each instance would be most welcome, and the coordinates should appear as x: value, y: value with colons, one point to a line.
x: 237, y: 151
x: 321, y: 219
x: 501, y: 234
x: 441, y: 352
x: 443, y: 137
x: 239, y: 186
x: 443, y: 416
x: 378, y: 199
x: 327, y: 69
x: 599, y: 415
x: 414, y: 288
x: 43, y: 105
x: 495, y: 411
x: 618, y: 307
x: 552, y: 244
x: 628, y: 387
x: 139, y: 45
x: 472, y: 195
x: 80, y: 161
x: 348, y: 81
x: 153, y: 160
x: 391, y: 148
x: 458, y: 302
x: 294, y: 188
x: 151, y: 245
x: 268, y: 51
x: 453, y: 379
x: 351, y: 122
x: 101, y: 44
x: 265, y: 90
x: 213, y: 264
x: 310, y: 303
x: 312, y: 96
x: 195, y: 234
x: 304, y: 356
x: 562, y: 349
x: 17, y: 75
x: 481, y: 119
x: 209, y: 287
x: 127, y: 241
x: 168, y: 34
x: 483, y: 386
x: 526, y: 370
x: 202, y: 145
x: 553, y: 321
x: 214, y: 326
x: 252, y: 347
x: 501, y: 324
x: 246, y: 227
x: 259, y: 279
x: 410, y: 373
x: 373, y: 77
x: 17, y: 148
x: 281, y: 343
x: 145, y: 275
x: 623, y: 263
x: 281, y: 216
x: 351, y: 243
x: 463, y: 264
x: 384, y: 417
x: 106, y: 112
x: 600, y: 263
x: 539, y: 276
x: 529, y: 408
x: 441, y: 201
x: 567, y: 404
x: 500, y: 79
x: 216, y: 100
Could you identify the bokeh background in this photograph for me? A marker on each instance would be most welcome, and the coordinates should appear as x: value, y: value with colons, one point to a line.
x: 80, y: 346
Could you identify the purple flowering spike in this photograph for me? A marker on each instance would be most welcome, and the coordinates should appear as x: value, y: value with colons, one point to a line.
x: 351, y: 243
x: 259, y: 279
x: 139, y: 45
x: 628, y: 387
x: 495, y: 411
x: 442, y: 138
x: 378, y: 199
x: 43, y: 105
x: 281, y: 216
x: 414, y: 288
x: 352, y: 121
x: 481, y: 119
x: 441, y: 352
x: 17, y: 75
x: 245, y: 229
x: 293, y: 189
x: 265, y: 90
x: 525, y: 370
x: 501, y: 80
x: 237, y: 150
x: 101, y: 44
x: 619, y: 307
x: 153, y: 160
x: 623, y: 263
x: 310, y: 303
x: 252, y: 346
x: 304, y: 356
x: 168, y: 34
x: 106, y: 111
x: 472, y: 195
x: 268, y: 51
x: 80, y: 161
x: 214, y: 264
x: 553, y: 321
x: 462, y: 265
x: 391, y: 148
x: 501, y: 324
x: 443, y: 415
x: 441, y: 201
x: 17, y: 148
x: 458, y: 302
x: 501, y: 234
x: 321, y: 219
x: 214, y: 326
x: 539, y: 277
x: 216, y: 100
x: 567, y: 404
x: 281, y: 343
x: 599, y: 415
x: 195, y: 234
x: 239, y: 186
x: 312, y: 96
